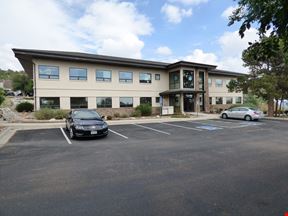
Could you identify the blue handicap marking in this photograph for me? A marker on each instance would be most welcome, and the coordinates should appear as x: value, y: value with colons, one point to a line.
x: 208, y: 127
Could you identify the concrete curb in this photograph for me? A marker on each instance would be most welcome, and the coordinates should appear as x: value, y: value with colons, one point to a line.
x: 6, y: 135
x: 276, y: 118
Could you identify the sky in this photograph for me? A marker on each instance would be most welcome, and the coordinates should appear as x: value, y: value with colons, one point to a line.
x: 160, y: 30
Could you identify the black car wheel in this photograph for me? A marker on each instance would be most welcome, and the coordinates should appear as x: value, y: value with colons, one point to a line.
x: 71, y: 133
x: 247, y: 118
x: 224, y: 116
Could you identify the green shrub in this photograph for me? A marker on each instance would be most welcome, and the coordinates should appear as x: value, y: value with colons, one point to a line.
x: 124, y: 115
x: 44, y: 114
x: 2, y: 96
x: 145, y: 109
x: 136, y: 113
x: 109, y: 117
x: 60, y: 114
x: 25, y: 107
x: 116, y: 115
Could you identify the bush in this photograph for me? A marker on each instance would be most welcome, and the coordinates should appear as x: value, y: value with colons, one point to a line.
x: 2, y: 96
x: 25, y: 107
x: 124, y: 115
x: 145, y: 109
x: 46, y: 114
x: 116, y: 115
x: 136, y: 113
x: 109, y: 117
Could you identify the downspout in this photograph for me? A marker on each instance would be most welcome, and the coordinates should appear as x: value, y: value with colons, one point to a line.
x: 34, y: 86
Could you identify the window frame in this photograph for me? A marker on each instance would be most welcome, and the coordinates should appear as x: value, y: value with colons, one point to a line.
x: 157, y: 75
x: 125, y: 80
x: 50, y: 107
x: 145, y: 81
x: 40, y: 76
x: 125, y: 105
x: 105, y: 106
x: 103, y: 79
x: 78, y: 77
x: 217, y: 85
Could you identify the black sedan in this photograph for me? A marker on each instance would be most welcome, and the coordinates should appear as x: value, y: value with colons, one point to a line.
x: 85, y: 123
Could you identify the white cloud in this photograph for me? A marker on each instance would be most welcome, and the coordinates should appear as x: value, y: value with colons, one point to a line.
x: 228, y: 12
x: 190, y: 2
x: 201, y: 57
x: 230, y: 52
x: 111, y: 27
x: 175, y: 14
x: 164, y: 51
x: 114, y: 27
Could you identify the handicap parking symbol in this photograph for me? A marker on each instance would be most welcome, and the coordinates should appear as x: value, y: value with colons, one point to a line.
x: 208, y: 127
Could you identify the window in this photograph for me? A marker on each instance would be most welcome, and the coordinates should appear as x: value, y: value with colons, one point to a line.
x: 104, y: 102
x: 201, y: 80
x: 78, y: 74
x: 145, y: 78
x: 103, y: 75
x: 126, y: 102
x: 157, y: 76
x: 48, y: 72
x: 238, y: 100
x: 157, y: 99
x: 209, y: 82
x: 219, y: 100
x: 210, y: 100
x: 188, y: 79
x: 78, y: 102
x: 125, y: 77
x: 229, y: 100
x: 219, y: 83
x: 145, y: 100
x: 174, y: 80
x: 50, y: 102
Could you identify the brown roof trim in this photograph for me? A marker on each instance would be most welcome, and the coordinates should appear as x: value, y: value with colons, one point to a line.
x: 225, y: 73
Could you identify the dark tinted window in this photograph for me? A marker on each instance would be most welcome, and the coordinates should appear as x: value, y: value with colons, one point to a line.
x: 126, y: 102
x: 219, y: 100
x: 104, y: 102
x: 145, y: 100
x: 188, y: 79
x: 78, y: 102
x: 50, y: 102
x: 174, y: 80
x: 157, y: 99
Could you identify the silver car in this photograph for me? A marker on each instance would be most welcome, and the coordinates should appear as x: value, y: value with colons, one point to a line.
x: 246, y: 113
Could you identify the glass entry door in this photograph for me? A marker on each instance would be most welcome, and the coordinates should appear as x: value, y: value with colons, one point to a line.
x: 188, y: 103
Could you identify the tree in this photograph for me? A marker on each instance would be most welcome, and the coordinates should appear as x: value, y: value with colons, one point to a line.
x: 271, y: 15
x: 22, y: 82
x: 2, y: 96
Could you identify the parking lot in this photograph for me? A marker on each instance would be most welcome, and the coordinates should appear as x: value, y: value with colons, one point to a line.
x: 209, y: 167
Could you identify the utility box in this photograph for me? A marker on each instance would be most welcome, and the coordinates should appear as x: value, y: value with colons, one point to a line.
x: 167, y: 110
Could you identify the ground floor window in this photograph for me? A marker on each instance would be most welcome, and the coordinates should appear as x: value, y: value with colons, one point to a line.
x: 145, y: 100
x: 210, y: 100
x: 78, y: 102
x: 50, y: 102
x: 229, y: 100
x: 238, y: 100
x: 157, y: 99
x: 104, y: 102
x: 219, y: 100
x: 126, y: 102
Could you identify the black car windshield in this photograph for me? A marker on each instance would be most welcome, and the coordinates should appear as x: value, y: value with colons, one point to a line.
x: 86, y: 114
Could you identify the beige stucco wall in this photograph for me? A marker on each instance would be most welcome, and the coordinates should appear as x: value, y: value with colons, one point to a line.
x: 65, y: 88
x: 222, y: 91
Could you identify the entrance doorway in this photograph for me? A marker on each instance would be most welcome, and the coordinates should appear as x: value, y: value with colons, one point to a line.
x: 188, y: 103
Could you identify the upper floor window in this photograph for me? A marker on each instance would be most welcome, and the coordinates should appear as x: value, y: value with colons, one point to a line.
x: 174, y: 80
x: 78, y: 74
x: 126, y: 77
x: 103, y: 75
x: 48, y: 72
x: 201, y: 80
x: 219, y: 82
x: 209, y: 82
x: 145, y: 78
x: 157, y: 76
x: 188, y: 79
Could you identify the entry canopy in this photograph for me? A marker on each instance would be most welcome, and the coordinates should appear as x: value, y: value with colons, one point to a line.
x: 181, y: 91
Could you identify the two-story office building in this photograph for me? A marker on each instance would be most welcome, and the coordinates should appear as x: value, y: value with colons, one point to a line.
x: 70, y: 80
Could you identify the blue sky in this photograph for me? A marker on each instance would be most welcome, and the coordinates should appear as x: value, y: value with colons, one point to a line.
x: 163, y: 30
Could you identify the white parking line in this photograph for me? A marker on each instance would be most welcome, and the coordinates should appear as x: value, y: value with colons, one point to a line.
x: 189, y: 128
x: 149, y: 128
x: 64, y: 134
x: 125, y: 137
